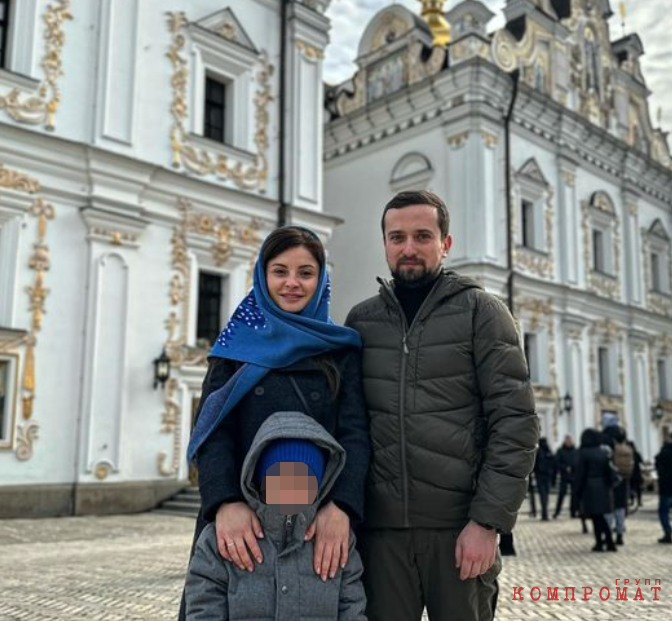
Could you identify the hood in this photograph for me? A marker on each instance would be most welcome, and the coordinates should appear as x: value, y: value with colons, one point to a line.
x: 448, y: 284
x: 290, y: 425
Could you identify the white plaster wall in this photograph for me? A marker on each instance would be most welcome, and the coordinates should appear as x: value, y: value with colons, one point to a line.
x: 356, y: 189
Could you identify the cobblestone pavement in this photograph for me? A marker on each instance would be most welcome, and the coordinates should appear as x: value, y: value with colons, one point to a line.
x: 128, y: 568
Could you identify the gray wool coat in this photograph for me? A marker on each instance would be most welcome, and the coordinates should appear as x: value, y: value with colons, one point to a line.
x: 284, y: 587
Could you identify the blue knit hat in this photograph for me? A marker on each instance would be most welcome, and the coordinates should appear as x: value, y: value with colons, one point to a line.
x: 286, y: 450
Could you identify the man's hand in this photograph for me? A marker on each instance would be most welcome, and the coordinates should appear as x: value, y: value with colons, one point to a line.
x: 475, y: 550
x: 331, y: 529
x: 236, y: 525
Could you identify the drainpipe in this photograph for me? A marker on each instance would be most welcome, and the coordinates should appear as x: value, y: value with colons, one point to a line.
x: 282, y: 206
x: 515, y: 76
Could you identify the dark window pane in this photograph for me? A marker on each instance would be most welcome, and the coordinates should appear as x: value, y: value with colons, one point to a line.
x: 4, y: 30
x: 215, y: 109
x: 209, y: 307
x: 4, y: 396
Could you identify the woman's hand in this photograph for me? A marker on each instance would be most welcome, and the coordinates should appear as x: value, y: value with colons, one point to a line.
x: 331, y: 529
x: 237, y: 525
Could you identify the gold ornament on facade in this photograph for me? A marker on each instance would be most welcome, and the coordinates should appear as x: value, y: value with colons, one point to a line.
x: 457, y: 141
x: 15, y: 180
x: 200, y: 161
x: 102, y: 471
x: 26, y: 435
x: 568, y: 177
x: 228, y: 31
x: 309, y: 51
x: 41, y: 108
x: 432, y: 12
x: 490, y: 140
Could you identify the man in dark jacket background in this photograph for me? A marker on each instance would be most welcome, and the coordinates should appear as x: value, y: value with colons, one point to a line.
x: 664, y: 470
x: 565, y: 463
x: 453, y: 426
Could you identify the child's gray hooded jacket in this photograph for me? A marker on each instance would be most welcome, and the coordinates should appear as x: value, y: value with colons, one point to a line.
x: 285, y: 586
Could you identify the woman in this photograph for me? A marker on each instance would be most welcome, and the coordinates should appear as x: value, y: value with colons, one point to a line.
x: 281, y: 351
x: 594, y: 481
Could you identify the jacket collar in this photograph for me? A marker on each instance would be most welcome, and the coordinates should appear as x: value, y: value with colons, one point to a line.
x: 448, y: 284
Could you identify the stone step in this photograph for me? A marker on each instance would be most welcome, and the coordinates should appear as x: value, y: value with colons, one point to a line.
x: 187, y: 502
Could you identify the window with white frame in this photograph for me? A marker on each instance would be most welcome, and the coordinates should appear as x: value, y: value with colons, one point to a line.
x: 530, y: 348
x: 211, y: 310
x: 217, y: 113
x: 663, y: 386
x: 658, y: 244
x: 225, y: 61
x: 599, y: 250
x: 602, y: 230
x: 656, y: 280
x: 606, y: 370
x: 7, y: 398
x: 527, y: 224
x: 4, y: 32
x: 533, y: 195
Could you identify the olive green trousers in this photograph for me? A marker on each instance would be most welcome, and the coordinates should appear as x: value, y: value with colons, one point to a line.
x: 406, y: 570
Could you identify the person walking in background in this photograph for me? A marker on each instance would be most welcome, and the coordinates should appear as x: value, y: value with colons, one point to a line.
x: 565, y: 463
x: 637, y: 478
x: 624, y: 461
x: 544, y: 472
x: 664, y: 470
x: 593, y: 484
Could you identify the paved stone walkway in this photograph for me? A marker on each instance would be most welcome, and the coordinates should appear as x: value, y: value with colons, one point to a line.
x: 131, y: 568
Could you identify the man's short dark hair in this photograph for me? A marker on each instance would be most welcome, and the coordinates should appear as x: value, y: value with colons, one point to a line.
x: 423, y: 197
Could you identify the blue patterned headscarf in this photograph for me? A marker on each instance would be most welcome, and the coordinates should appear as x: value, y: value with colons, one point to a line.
x: 264, y: 337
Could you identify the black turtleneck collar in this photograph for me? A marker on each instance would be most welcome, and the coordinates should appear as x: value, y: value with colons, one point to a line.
x: 411, y: 298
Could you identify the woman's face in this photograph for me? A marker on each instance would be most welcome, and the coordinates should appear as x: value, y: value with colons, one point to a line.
x: 292, y: 278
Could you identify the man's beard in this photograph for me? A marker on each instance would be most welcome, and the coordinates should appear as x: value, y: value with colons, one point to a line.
x: 415, y: 277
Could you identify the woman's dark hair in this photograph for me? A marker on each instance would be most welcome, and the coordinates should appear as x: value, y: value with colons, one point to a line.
x: 288, y: 237
x: 590, y: 438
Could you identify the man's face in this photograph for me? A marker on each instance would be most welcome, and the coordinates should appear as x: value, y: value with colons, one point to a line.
x: 290, y: 487
x: 413, y: 246
x: 569, y: 441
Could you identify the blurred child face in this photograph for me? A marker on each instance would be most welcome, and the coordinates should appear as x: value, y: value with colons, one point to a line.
x: 290, y: 487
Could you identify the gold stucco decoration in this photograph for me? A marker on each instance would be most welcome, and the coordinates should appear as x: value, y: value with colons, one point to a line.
x: 203, y: 162
x: 18, y: 181
x: 39, y: 262
x: 223, y: 234
x: 41, y: 108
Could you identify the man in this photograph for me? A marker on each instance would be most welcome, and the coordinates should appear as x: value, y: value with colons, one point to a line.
x: 544, y: 473
x: 453, y: 426
x: 624, y: 462
x: 664, y: 470
x: 565, y: 462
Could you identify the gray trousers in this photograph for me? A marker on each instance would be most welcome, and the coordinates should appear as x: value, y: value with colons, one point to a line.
x: 406, y: 570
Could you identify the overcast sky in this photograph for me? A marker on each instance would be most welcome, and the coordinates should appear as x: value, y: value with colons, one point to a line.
x: 645, y: 17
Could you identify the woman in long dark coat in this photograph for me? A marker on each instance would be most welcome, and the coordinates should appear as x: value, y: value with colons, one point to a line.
x: 281, y: 352
x: 594, y: 479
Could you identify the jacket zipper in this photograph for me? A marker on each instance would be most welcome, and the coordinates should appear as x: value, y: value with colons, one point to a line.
x: 286, y: 532
x: 402, y: 394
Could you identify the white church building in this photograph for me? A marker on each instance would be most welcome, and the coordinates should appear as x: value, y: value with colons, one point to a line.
x: 143, y: 158
x: 582, y: 247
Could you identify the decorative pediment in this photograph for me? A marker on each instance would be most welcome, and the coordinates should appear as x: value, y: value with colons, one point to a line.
x: 388, y: 26
x: 225, y: 24
x: 532, y: 171
x: 658, y: 230
x: 601, y: 201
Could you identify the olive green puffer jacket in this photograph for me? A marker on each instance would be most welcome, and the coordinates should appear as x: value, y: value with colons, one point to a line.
x: 457, y: 373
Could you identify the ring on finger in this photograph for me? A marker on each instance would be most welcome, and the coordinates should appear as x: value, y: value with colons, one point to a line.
x: 230, y: 544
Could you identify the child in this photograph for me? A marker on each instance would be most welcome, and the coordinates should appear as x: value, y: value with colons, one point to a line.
x: 291, y: 466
